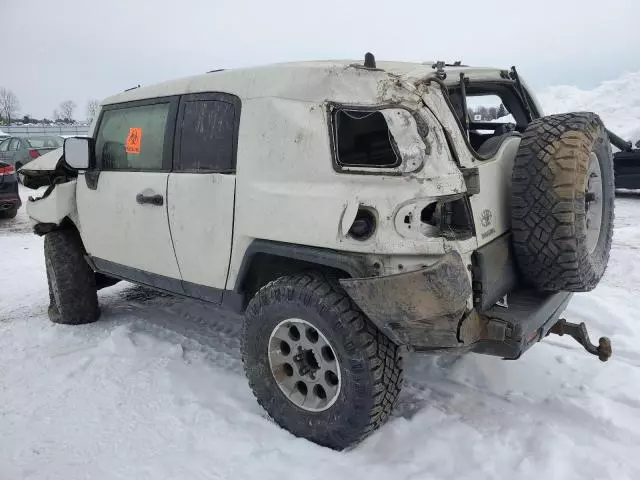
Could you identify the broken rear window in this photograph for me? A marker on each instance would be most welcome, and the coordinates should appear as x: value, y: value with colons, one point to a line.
x: 363, y: 139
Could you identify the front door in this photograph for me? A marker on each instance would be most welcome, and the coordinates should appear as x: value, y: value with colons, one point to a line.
x: 122, y: 204
x: 202, y: 190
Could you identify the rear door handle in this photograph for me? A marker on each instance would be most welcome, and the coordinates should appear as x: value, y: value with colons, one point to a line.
x: 155, y: 199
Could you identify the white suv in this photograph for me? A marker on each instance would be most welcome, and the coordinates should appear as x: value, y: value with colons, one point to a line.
x: 352, y: 211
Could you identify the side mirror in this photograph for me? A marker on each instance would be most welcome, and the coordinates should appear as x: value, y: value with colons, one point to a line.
x: 638, y: 144
x: 77, y: 152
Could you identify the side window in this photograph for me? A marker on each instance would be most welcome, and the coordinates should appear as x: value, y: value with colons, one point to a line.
x: 363, y: 139
x: 488, y: 108
x: 207, y: 136
x: 132, y: 138
x: 15, y: 144
x: 387, y: 139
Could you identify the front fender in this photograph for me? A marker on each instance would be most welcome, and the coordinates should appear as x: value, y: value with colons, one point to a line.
x: 57, y: 203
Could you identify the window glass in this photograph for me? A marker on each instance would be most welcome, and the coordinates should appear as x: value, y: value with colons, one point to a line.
x: 45, y: 142
x: 488, y: 108
x: 207, y: 136
x: 4, y: 145
x: 14, y: 145
x: 132, y: 138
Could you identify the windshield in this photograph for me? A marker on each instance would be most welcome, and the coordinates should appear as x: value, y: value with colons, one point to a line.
x: 45, y: 142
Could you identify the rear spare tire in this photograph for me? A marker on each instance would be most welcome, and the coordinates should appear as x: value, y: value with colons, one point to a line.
x: 72, y: 284
x: 562, y: 202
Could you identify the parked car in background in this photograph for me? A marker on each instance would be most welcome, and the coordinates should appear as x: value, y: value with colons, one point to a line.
x: 9, y: 198
x: 3, y: 135
x: 19, y: 151
x: 627, y: 167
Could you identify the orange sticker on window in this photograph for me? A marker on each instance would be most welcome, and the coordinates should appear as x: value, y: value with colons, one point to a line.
x: 134, y: 140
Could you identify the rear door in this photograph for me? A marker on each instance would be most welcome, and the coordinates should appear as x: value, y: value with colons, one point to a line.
x: 122, y: 205
x: 201, y: 191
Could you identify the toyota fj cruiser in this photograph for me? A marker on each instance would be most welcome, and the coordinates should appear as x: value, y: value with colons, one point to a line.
x: 352, y: 210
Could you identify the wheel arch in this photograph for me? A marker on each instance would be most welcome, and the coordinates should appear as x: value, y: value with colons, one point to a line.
x: 266, y: 260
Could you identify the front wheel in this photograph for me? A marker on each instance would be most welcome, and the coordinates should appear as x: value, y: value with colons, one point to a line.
x: 316, y: 364
x: 72, y: 289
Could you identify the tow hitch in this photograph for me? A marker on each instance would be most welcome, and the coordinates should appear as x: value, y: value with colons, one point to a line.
x: 579, y: 332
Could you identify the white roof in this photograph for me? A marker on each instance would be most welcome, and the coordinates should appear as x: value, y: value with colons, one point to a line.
x: 304, y: 81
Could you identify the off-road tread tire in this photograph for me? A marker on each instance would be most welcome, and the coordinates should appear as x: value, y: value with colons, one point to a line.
x: 368, y: 359
x: 548, y: 202
x: 72, y: 287
x: 9, y: 213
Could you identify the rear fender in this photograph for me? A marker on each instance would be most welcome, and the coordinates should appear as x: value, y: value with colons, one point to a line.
x: 54, y: 205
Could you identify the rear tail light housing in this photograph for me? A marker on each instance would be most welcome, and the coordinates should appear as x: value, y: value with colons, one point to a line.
x: 8, y: 170
x: 33, y: 153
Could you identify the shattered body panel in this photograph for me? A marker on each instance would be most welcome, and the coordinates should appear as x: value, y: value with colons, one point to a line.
x: 422, y: 308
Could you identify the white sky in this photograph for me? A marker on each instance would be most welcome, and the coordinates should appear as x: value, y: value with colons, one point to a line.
x: 83, y: 49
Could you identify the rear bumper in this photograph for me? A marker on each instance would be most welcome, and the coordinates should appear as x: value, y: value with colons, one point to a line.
x: 526, y: 320
x: 422, y: 308
x: 426, y: 310
x: 10, y: 200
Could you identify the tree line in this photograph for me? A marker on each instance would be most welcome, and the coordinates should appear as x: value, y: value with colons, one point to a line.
x: 10, y: 106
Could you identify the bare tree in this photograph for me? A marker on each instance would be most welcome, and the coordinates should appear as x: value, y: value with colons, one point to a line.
x: 92, y: 109
x: 9, y: 104
x: 66, y: 109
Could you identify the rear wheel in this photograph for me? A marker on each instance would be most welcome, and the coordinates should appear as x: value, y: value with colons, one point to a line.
x: 316, y: 364
x: 72, y: 287
x: 562, y: 202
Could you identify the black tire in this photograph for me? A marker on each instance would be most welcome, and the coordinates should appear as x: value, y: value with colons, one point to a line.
x: 72, y: 287
x: 370, y: 364
x: 548, y: 209
x: 9, y: 213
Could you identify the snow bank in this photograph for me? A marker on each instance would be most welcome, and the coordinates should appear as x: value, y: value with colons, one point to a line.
x: 616, y: 101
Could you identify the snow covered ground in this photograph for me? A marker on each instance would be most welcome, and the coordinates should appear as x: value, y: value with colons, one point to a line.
x: 156, y: 390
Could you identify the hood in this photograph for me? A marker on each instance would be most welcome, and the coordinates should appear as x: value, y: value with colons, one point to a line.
x: 44, y: 170
x: 47, y: 162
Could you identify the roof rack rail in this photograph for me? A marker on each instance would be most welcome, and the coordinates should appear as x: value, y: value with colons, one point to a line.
x: 132, y: 88
x: 216, y: 70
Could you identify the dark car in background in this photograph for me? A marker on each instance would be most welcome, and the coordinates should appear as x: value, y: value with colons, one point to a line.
x: 18, y: 151
x: 626, y: 164
x: 9, y: 198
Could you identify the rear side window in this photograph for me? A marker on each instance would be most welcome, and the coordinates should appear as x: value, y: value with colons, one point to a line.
x: 132, y: 138
x: 363, y: 139
x: 207, y: 136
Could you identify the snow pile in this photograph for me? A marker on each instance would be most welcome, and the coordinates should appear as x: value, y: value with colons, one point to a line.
x: 616, y: 101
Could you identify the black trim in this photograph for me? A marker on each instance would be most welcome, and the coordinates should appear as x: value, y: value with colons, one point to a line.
x: 209, y: 294
x: 228, y: 299
x: 167, y: 284
x: 208, y: 96
x: 352, y: 264
x: 494, y: 272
